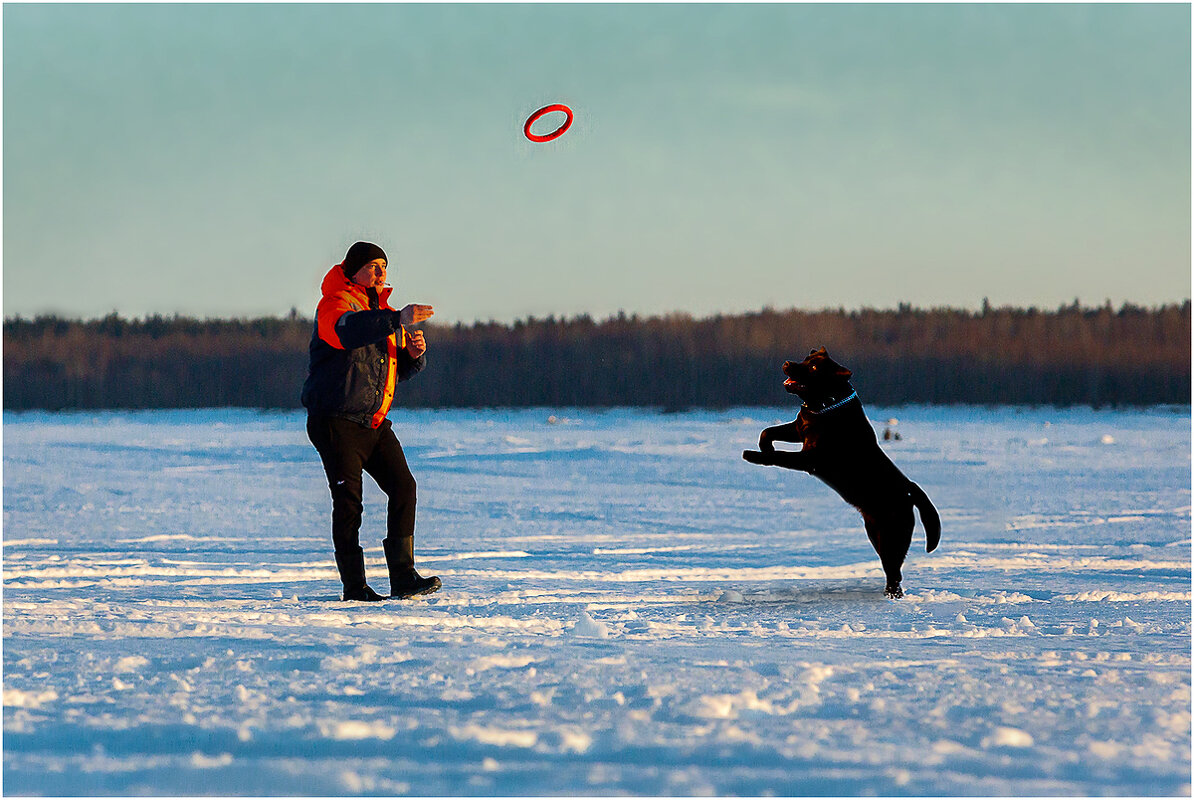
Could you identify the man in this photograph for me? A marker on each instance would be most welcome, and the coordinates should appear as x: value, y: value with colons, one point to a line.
x: 360, y: 350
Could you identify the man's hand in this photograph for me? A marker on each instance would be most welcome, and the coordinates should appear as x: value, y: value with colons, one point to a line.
x: 416, y: 345
x: 414, y: 314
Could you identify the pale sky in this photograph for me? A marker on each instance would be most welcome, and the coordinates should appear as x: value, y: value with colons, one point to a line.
x: 216, y: 160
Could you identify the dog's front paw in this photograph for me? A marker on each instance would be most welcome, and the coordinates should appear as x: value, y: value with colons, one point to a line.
x: 755, y: 457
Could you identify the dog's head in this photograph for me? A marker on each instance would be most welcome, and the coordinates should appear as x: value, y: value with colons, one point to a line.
x: 816, y: 378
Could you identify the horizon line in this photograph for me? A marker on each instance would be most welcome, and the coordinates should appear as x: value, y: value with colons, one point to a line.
x: 900, y: 308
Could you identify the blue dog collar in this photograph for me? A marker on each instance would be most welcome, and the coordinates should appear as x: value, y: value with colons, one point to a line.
x: 838, y: 404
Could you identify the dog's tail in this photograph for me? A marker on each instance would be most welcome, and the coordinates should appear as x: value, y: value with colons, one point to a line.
x: 928, y: 516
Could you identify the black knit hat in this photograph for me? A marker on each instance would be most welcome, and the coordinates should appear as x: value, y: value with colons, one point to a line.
x: 359, y: 255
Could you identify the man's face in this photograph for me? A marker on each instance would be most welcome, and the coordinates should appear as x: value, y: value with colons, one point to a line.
x: 372, y: 275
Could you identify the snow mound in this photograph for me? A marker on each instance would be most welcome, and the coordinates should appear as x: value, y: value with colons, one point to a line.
x: 589, y: 628
x: 1008, y: 737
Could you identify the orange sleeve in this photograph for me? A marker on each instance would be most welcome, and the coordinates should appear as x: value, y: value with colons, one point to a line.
x: 327, y: 314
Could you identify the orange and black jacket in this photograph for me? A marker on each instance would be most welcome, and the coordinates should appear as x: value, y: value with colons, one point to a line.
x: 358, y: 353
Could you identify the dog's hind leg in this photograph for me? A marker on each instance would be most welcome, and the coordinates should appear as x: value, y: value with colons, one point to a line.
x: 891, y: 536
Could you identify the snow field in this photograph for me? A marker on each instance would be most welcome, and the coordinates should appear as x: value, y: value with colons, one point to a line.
x: 627, y: 608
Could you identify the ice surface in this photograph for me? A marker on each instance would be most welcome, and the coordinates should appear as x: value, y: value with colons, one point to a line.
x: 628, y: 607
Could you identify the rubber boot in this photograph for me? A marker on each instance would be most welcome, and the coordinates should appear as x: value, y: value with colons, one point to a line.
x: 351, y: 565
x: 404, y: 580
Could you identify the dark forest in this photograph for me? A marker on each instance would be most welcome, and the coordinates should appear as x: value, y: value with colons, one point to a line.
x: 1074, y: 355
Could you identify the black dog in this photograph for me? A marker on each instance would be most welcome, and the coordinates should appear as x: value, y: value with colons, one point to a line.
x: 840, y: 448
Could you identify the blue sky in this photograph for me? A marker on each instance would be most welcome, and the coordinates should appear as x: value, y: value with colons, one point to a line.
x: 215, y: 160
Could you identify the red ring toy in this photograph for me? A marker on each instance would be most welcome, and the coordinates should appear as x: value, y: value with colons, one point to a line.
x: 534, y: 137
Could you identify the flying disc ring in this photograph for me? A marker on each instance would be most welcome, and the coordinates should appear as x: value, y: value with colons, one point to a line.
x: 558, y: 132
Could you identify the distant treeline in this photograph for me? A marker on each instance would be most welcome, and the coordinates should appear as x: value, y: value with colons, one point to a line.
x: 1072, y: 356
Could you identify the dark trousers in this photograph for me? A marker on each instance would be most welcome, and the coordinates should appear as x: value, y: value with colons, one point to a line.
x: 348, y: 449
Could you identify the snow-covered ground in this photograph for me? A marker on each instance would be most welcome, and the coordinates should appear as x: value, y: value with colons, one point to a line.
x: 628, y: 607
